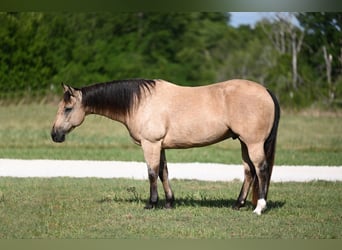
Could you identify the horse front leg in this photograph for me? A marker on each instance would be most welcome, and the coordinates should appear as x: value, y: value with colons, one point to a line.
x: 152, y: 153
x: 164, y: 177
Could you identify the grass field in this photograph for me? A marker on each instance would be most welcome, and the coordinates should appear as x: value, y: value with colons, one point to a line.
x: 102, y: 208
x: 25, y: 134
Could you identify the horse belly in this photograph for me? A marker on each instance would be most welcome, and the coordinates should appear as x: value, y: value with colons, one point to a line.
x: 195, y: 134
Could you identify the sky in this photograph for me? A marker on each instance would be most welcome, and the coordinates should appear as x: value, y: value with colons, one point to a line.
x: 238, y: 18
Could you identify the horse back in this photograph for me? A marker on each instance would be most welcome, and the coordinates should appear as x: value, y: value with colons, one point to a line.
x: 198, y: 116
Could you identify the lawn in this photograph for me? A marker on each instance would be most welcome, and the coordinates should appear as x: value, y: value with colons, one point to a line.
x: 103, y: 208
x: 113, y: 208
x: 25, y: 134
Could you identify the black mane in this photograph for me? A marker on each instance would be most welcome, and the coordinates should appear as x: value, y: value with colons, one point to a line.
x: 119, y: 96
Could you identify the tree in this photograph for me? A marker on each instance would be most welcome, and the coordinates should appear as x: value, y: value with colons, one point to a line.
x: 287, y: 39
x: 324, y: 41
x: 40, y: 50
x: 183, y: 45
x: 300, y: 64
x: 248, y: 54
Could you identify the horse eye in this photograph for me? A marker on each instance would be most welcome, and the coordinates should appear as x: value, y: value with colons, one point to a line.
x: 67, y: 110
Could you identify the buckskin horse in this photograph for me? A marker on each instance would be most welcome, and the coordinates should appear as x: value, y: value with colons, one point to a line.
x: 160, y: 115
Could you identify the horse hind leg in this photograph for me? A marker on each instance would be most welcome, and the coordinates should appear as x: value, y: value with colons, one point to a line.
x: 248, y: 180
x: 164, y: 177
x: 261, y: 183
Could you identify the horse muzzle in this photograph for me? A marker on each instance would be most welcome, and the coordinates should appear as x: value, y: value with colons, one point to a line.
x: 57, y: 136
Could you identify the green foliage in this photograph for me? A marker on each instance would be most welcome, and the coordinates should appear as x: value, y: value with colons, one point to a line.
x: 323, y: 29
x: 38, y: 51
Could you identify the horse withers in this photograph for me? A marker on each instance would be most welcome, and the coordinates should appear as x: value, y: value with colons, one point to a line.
x: 160, y: 115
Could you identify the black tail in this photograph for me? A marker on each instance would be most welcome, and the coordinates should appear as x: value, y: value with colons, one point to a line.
x: 270, y: 143
x: 269, y: 148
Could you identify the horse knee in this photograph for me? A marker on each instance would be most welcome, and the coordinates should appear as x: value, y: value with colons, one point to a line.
x: 152, y: 175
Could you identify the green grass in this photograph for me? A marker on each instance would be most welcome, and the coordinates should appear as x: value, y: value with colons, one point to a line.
x: 104, y: 208
x: 113, y: 208
x: 25, y: 134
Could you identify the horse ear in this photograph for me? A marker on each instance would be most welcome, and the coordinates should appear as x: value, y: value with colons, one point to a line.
x: 67, y: 88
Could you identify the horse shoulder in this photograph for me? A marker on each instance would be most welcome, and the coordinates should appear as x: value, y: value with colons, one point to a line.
x: 149, y: 121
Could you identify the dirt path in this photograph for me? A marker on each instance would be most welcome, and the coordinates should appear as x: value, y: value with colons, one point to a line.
x: 137, y: 170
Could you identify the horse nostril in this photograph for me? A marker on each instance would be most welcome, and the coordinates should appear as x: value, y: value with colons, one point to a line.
x: 54, y: 136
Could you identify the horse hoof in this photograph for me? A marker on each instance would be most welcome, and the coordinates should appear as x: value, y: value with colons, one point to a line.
x: 170, y: 203
x: 149, y: 206
x: 238, y: 205
x: 234, y: 207
x: 168, y: 206
x: 257, y: 212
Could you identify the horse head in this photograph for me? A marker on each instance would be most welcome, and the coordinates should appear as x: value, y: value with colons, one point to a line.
x: 70, y: 113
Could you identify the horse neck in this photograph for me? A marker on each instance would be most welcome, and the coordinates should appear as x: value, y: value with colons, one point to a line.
x: 116, y: 100
x: 111, y: 114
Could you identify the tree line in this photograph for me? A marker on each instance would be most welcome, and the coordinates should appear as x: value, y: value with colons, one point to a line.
x: 301, y: 64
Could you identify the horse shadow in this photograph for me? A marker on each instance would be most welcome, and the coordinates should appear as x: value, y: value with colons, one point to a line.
x: 223, y: 203
x: 196, y: 202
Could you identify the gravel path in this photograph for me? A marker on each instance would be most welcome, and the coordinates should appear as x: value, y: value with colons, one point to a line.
x: 138, y: 170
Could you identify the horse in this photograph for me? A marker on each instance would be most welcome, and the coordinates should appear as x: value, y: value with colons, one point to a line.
x: 160, y: 115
